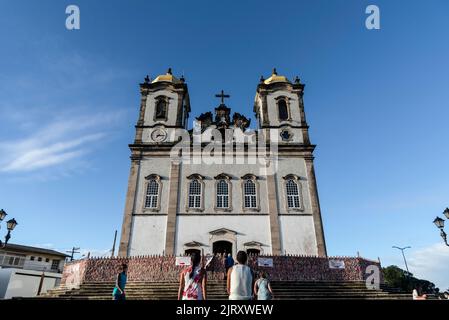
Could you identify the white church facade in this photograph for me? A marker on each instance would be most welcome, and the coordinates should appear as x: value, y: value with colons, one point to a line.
x: 221, y: 186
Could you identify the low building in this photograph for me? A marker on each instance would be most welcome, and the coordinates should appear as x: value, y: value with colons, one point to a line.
x: 31, y: 258
x: 29, y: 271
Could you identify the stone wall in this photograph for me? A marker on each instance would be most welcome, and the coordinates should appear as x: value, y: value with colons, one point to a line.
x: 163, y: 268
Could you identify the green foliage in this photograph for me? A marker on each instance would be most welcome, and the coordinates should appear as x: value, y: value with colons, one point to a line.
x: 398, y: 278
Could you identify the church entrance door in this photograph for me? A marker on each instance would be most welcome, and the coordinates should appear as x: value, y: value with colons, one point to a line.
x: 222, y: 247
x: 189, y: 252
x: 253, y: 251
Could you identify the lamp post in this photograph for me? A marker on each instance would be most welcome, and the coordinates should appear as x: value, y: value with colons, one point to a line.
x: 10, y: 225
x: 403, y: 255
x: 440, y: 225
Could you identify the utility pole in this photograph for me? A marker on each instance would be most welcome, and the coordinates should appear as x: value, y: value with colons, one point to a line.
x: 403, y: 255
x: 72, y: 252
x: 113, y: 245
x: 41, y: 282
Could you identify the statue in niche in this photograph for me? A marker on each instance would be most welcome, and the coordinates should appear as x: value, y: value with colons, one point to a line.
x: 240, y: 121
x: 205, y: 119
x: 161, y: 109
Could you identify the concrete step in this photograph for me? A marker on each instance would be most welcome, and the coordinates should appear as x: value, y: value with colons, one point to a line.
x: 283, y: 290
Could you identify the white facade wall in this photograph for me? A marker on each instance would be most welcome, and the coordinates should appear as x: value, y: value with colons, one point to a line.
x: 25, y: 283
x: 297, y: 235
x: 296, y: 229
x: 209, y: 172
x: 20, y: 260
x: 148, y: 228
x: 296, y: 166
x: 155, y: 165
x: 248, y: 228
x: 148, y: 235
x: 42, y: 265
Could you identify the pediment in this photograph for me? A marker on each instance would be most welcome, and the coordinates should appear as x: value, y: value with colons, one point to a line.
x: 195, y: 176
x: 291, y: 176
x: 153, y: 176
x: 223, y: 231
x: 223, y: 176
x: 192, y: 244
x: 253, y: 244
x: 249, y: 176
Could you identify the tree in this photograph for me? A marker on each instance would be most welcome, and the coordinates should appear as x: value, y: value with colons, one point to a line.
x: 398, y: 278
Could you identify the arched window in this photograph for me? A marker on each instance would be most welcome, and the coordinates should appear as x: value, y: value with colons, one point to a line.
x: 152, y: 189
x: 152, y: 195
x: 222, y: 194
x: 250, y: 194
x: 195, y: 194
x: 293, y: 201
x: 161, y: 109
x: 283, y: 110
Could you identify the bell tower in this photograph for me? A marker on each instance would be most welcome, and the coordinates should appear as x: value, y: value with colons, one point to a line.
x: 279, y: 105
x: 164, y: 107
x: 279, y: 109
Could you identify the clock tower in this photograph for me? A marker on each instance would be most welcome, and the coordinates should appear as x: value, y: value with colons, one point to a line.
x: 164, y: 107
x: 279, y: 109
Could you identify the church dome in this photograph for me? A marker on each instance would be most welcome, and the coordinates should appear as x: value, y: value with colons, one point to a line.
x: 168, y: 77
x: 276, y: 78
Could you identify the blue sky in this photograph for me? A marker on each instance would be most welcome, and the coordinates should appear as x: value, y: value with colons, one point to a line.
x: 376, y: 102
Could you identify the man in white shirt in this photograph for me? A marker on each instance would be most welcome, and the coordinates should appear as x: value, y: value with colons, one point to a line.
x: 240, y: 279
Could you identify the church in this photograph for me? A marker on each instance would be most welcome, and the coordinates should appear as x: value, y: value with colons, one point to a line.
x: 220, y: 186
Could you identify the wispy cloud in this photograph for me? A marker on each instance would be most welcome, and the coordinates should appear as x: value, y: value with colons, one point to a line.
x: 431, y: 263
x: 60, y: 140
x: 64, y: 114
x: 53, y: 154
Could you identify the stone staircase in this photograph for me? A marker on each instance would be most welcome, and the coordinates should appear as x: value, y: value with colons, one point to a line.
x: 283, y: 290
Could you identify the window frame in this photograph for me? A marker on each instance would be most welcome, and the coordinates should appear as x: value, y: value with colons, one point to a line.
x: 148, y: 180
x: 296, y: 179
x: 12, y: 260
x: 254, y: 179
x: 190, y: 179
x: 287, y: 105
x: 53, y: 264
x: 227, y: 179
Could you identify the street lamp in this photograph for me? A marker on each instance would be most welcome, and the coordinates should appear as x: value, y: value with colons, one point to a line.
x: 446, y: 212
x: 10, y: 225
x: 403, y: 255
x: 3, y: 214
x: 440, y: 225
x: 439, y: 222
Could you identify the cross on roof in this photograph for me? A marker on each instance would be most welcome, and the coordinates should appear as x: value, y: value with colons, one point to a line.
x: 222, y: 95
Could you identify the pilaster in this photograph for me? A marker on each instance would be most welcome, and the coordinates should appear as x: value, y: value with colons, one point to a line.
x: 129, y: 208
x: 316, y: 211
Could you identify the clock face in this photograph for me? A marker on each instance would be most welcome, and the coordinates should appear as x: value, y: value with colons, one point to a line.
x: 159, y: 135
